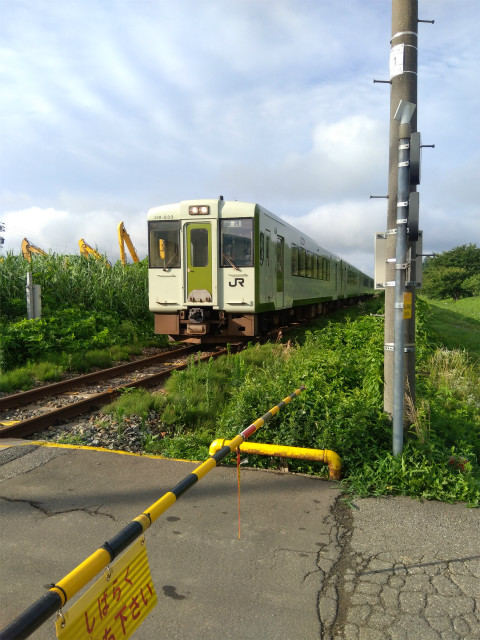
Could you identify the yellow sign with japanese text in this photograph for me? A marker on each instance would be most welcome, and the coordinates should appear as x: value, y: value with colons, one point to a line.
x: 407, y: 305
x: 115, y: 606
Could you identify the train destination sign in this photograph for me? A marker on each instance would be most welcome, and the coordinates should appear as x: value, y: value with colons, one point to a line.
x: 115, y: 606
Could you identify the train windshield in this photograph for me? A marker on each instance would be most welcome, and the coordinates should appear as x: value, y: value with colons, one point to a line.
x: 236, y: 244
x: 163, y: 244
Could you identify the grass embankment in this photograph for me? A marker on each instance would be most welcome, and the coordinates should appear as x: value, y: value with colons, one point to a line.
x: 341, y: 364
x: 457, y: 324
x: 72, y: 340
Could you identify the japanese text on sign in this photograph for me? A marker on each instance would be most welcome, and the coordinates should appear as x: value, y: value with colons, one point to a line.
x: 115, y: 606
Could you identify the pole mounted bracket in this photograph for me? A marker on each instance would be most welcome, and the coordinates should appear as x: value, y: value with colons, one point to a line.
x: 390, y: 346
x: 404, y: 111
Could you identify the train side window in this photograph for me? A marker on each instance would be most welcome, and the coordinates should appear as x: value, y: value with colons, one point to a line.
x: 327, y: 269
x: 309, y: 264
x: 262, y: 247
x: 236, y: 242
x: 294, y: 260
x: 352, y: 277
x: 163, y: 244
x: 315, y: 267
x: 301, y: 262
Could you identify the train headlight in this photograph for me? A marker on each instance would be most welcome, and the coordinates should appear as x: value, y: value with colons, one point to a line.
x: 199, y: 209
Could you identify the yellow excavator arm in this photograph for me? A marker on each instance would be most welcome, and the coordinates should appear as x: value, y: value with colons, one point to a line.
x: 86, y: 250
x: 28, y: 249
x: 124, y: 239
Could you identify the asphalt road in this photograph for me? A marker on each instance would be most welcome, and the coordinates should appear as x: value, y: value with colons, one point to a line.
x: 306, y: 565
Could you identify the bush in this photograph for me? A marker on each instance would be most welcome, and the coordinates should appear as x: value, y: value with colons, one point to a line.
x: 70, y: 331
x: 472, y: 285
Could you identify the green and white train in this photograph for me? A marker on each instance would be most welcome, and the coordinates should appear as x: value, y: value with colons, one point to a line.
x: 221, y: 270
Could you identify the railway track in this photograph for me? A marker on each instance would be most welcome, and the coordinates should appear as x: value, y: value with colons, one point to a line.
x: 39, y: 409
x: 33, y: 411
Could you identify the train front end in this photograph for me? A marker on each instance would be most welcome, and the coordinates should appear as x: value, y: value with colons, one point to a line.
x: 201, y: 270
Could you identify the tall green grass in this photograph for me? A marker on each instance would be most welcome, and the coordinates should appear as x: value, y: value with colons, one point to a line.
x: 74, y: 282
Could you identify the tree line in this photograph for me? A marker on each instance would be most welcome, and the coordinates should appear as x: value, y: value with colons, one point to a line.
x: 453, y: 274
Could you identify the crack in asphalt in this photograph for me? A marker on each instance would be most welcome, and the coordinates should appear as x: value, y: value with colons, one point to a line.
x: 376, y: 596
x: 331, y: 561
x: 48, y: 513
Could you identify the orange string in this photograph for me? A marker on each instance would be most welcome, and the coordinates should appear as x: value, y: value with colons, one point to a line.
x: 238, y: 482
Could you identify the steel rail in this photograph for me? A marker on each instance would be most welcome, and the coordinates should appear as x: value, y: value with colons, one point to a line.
x: 51, y: 418
x: 24, y: 397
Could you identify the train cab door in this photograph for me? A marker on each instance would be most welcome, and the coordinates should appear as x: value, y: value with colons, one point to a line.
x: 280, y: 268
x: 269, y: 269
x: 199, y: 262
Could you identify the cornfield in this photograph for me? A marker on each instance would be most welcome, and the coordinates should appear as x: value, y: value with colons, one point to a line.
x: 74, y: 282
x: 86, y: 304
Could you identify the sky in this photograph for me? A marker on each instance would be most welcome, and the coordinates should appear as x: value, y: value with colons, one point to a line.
x: 111, y: 107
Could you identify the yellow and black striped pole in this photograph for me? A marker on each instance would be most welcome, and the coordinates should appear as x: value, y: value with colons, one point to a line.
x: 59, y: 594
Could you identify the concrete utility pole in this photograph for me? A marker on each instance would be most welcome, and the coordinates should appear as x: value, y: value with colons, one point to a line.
x: 403, y: 75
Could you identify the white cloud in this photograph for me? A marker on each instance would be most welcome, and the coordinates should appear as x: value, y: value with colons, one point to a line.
x: 60, y: 230
x: 110, y: 108
x: 344, y: 226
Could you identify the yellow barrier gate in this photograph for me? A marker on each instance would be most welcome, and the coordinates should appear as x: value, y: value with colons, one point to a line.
x: 330, y: 458
x: 71, y: 584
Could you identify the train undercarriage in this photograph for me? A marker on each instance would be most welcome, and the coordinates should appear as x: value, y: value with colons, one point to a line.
x: 204, y: 325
